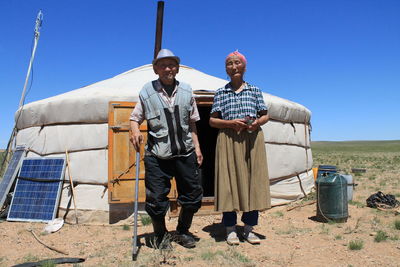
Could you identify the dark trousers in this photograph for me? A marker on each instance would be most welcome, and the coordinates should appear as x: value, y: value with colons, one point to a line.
x: 249, y: 218
x: 158, y: 184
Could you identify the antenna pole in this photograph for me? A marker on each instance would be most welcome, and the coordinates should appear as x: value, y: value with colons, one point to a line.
x: 159, y: 27
x: 38, y: 25
x: 39, y: 20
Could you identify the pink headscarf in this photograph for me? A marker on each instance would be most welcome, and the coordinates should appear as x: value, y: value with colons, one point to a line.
x: 239, y: 55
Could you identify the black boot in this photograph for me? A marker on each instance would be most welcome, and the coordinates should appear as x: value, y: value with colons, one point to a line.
x: 161, y: 239
x: 183, y: 237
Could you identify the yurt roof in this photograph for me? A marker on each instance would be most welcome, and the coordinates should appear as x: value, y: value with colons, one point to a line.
x: 89, y: 104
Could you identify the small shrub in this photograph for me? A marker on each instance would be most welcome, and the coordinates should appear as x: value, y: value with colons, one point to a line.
x: 375, y: 221
x: 125, y: 227
x: 240, y: 257
x: 358, y: 204
x: 332, y: 222
x: 209, y: 255
x: 48, y: 263
x: 397, y: 224
x: 381, y: 236
x: 311, y: 196
x: 338, y: 237
x: 356, y: 244
x: 30, y: 257
x: 394, y: 238
x: 277, y: 214
x: 324, y: 230
x: 146, y: 220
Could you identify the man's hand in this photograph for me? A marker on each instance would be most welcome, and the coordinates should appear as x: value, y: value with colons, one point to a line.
x: 199, y: 156
x: 136, y: 136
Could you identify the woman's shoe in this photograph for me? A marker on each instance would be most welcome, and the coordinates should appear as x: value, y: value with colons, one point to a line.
x: 231, y: 236
x: 249, y: 236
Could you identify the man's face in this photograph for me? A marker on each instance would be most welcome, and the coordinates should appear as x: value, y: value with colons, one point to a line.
x: 166, y: 69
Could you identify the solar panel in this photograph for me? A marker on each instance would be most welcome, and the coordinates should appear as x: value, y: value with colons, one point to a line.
x: 38, y: 189
x: 11, y: 172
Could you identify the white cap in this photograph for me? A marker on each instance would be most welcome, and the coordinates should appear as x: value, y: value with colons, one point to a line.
x: 165, y: 53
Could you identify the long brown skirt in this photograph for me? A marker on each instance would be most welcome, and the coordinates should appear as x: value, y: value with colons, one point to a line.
x: 241, y: 182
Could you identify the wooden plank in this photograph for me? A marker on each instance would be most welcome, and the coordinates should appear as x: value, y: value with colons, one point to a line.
x: 204, y: 101
x: 207, y: 208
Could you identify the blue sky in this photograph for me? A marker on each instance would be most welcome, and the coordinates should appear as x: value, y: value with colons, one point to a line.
x: 339, y: 58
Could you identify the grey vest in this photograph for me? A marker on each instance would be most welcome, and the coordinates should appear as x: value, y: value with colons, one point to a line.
x: 168, y: 128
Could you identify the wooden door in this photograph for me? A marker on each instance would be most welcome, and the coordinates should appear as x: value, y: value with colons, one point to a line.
x: 122, y: 157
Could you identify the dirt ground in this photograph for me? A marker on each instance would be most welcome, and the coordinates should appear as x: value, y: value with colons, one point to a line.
x: 290, y: 238
x: 290, y: 234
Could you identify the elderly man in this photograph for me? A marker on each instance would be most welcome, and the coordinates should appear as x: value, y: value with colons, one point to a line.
x: 172, y: 148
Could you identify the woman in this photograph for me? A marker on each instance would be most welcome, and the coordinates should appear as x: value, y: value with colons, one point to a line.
x: 242, y: 182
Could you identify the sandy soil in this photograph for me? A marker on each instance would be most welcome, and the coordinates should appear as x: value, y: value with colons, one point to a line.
x: 290, y: 238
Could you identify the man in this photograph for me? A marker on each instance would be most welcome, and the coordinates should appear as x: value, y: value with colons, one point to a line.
x: 172, y: 148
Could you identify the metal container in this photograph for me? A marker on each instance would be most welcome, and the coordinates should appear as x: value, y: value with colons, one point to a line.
x: 332, y: 204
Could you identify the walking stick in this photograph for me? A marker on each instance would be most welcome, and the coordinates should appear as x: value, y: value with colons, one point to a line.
x: 135, y: 246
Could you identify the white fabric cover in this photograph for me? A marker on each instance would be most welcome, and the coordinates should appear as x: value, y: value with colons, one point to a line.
x: 284, y: 160
x: 77, y: 121
x: 88, y: 197
x: 289, y: 190
x: 286, y: 133
x: 57, y: 138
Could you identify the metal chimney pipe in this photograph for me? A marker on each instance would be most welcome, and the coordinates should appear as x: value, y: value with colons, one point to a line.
x: 159, y: 26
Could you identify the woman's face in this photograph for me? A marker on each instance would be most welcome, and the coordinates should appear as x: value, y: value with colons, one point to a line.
x: 235, y: 68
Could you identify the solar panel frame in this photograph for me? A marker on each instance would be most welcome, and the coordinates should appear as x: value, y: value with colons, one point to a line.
x: 11, y: 172
x: 38, y: 190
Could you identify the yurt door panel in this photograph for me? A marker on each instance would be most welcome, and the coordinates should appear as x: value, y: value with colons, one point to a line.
x: 122, y: 156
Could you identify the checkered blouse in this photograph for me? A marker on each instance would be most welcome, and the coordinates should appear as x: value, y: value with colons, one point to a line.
x: 233, y: 105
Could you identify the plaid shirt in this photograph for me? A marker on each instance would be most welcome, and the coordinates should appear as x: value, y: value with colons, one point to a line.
x: 233, y: 105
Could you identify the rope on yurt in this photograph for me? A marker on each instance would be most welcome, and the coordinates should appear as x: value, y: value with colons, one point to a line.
x: 301, y: 185
x: 286, y: 144
x: 305, y: 143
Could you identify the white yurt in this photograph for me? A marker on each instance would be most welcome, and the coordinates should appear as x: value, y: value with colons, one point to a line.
x: 77, y: 122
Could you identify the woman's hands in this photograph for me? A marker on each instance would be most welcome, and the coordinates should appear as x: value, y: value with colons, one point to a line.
x: 238, y: 124
x: 254, y: 126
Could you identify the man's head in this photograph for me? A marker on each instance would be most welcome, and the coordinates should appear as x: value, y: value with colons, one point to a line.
x: 166, y: 66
